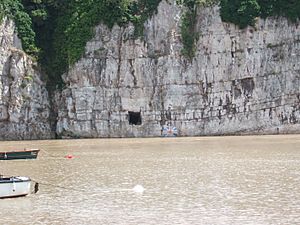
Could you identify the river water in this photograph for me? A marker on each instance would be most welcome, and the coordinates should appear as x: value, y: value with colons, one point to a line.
x: 202, y: 180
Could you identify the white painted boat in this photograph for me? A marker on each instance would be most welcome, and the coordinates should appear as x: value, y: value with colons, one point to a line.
x: 14, y: 186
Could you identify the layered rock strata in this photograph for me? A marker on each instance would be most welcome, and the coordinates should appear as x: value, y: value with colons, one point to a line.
x: 239, y: 82
x: 24, y: 103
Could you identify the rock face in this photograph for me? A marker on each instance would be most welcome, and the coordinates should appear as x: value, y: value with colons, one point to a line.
x: 239, y: 82
x: 24, y: 105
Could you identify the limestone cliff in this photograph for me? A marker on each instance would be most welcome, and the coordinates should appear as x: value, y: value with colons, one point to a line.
x: 24, y: 104
x: 239, y: 82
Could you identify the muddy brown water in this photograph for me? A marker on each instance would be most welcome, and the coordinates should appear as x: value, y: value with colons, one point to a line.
x: 202, y: 180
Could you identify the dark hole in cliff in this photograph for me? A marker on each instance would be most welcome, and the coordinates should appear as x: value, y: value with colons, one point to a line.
x: 135, y: 118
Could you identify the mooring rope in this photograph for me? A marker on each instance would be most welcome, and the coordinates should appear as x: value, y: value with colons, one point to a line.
x: 57, y: 186
x: 49, y: 154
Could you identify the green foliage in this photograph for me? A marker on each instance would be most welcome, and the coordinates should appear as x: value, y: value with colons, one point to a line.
x: 244, y: 12
x: 287, y: 8
x: 266, y: 7
x: 139, y: 11
x: 189, y: 36
x: 37, y: 9
x: 15, y: 10
x: 188, y: 33
x: 240, y: 12
x: 65, y: 26
x: 1, y: 12
x: 29, y: 77
x: 84, y: 15
x: 61, y: 28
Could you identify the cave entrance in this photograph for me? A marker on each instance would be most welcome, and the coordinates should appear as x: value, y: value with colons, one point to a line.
x: 135, y: 118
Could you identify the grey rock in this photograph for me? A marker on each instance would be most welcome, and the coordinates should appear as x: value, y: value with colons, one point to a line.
x: 239, y: 82
x: 24, y: 103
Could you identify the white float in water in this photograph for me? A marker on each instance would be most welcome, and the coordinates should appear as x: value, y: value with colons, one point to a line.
x: 138, y: 188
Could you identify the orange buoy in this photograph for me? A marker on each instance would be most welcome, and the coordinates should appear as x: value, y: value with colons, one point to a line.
x: 69, y: 156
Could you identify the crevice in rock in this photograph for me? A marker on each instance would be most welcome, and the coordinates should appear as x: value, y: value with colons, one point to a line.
x: 162, y: 102
x: 53, y: 114
x: 120, y: 44
x: 94, y: 112
x: 154, y: 86
x: 132, y: 72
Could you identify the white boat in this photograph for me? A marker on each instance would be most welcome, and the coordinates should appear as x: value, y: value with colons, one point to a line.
x: 14, y: 186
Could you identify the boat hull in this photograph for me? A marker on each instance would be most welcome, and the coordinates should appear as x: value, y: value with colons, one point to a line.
x: 26, y: 154
x: 14, y: 187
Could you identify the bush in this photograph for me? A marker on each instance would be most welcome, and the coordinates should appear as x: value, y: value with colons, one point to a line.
x: 244, y: 12
x: 15, y: 10
x: 188, y: 34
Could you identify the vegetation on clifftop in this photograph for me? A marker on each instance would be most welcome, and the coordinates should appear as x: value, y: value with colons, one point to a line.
x: 189, y: 35
x: 239, y: 12
x: 64, y: 27
x: 57, y: 30
x: 244, y: 12
x: 15, y: 10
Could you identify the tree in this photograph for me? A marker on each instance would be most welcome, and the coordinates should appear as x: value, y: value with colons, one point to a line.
x: 240, y: 12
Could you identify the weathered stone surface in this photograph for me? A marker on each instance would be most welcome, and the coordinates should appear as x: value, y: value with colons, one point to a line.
x: 24, y: 105
x: 240, y: 81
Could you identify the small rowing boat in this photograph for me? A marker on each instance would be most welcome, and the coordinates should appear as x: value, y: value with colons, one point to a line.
x: 20, y: 154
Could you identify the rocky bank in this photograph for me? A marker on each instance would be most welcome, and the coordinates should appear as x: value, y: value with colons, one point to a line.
x: 239, y: 82
x: 24, y: 102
